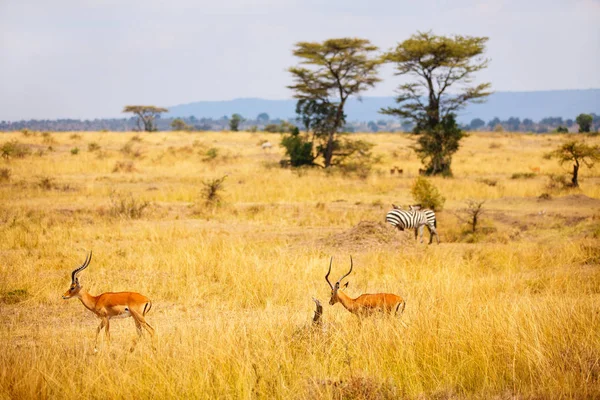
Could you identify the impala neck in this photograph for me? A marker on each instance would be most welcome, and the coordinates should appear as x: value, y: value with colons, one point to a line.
x: 87, y: 300
x: 347, y: 301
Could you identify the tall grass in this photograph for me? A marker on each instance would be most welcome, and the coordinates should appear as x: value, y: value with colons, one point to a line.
x: 515, y: 315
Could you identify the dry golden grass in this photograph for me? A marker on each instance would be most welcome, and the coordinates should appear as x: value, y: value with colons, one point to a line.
x: 512, y: 312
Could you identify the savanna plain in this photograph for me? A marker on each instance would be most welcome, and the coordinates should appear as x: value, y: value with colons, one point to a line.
x: 512, y: 311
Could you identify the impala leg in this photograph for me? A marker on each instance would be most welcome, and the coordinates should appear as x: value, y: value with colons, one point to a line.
x: 107, y: 330
x: 103, y: 322
x: 140, y: 323
x: 138, y: 328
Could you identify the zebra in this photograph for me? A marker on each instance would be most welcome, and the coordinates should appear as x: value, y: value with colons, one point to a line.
x: 414, y: 218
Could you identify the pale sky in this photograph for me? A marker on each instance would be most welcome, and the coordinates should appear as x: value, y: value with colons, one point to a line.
x: 87, y: 59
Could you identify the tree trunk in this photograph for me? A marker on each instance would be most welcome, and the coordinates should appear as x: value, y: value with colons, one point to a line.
x: 574, y: 181
x: 331, y: 138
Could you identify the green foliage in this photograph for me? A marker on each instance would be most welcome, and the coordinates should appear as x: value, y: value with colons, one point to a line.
x: 262, y: 118
x: 179, y: 125
x: 298, y: 148
x: 424, y: 193
x: 339, y: 68
x: 579, y: 154
x: 75, y: 151
x: 211, y: 154
x: 146, y: 116
x: 14, y: 149
x: 436, y: 146
x: 437, y: 63
x: 585, y: 122
x: 235, y: 121
x: 283, y: 127
x: 15, y: 296
x: 562, y: 129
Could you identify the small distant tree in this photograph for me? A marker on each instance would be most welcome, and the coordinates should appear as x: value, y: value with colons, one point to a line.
x: 262, y: 118
x: 474, y: 211
x: 579, y: 153
x: 179, y: 125
x: 235, y: 121
x: 476, y: 123
x: 437, y: 63
x: 146, y: 116
x: 211, y: 191
x: 585, y: 122
x: 340, y: 68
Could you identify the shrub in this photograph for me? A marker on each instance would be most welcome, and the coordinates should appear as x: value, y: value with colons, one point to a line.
x: 14, y: 149
x: 75, y: 136
x: 557, y: 183
x: 211, y: 190
x: 424, y: 193
x: 523, y: 175
x: 15, y: 296
x: 46, y: 183
x: 93, y: 146
x: 4, y: 174
x: 211, y: 154
x: 126, y: 206
x: 124, y: 166
x: 562, y: 129
x: 75, y: 151
x: 299, y: 148
x: 48, y: 139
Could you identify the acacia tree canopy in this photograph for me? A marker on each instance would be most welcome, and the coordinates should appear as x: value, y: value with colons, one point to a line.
x: 328, y: 74
x: 146, y: 115
x: 437, y: 63
x: 578, y: 153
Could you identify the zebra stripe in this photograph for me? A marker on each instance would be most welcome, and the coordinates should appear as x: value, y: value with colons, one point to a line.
x: 416, y: 220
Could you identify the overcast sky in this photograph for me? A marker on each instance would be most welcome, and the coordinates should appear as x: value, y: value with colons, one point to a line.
x: 87, y: 59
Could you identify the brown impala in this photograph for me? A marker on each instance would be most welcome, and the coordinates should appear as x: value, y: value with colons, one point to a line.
x: 111, y: 305
x: 365, y: 303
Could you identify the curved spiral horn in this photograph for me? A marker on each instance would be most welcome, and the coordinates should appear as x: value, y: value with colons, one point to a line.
x: 339, y: 280
x: 83, y: 266
x: 328, y: 272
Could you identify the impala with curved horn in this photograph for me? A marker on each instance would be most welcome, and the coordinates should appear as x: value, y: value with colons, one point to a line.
x: 365, y: 303
x: 111, y: 305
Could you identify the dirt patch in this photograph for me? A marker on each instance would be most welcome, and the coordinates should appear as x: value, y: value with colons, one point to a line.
x: 368, y: 234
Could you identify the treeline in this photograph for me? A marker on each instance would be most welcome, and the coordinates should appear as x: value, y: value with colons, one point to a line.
x: 263, y: 123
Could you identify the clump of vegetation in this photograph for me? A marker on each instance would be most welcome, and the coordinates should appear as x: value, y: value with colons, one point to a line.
x: 14, y: 149
x: 211, y: 191
x: 15, y: 296
x: 211, y: 154
x: 75, y: 151
x: 130, y: 151
x: 48, y: 138
x: 489, y: 182
x: 126, y: 206
x: 5, y: 174
x: 557, y: 183
x: 179, y: 125
x: 299, y: 148
x: 124, y: 166
x: 27, y: 132
x: 424, y: 193
x: 562, y: 129
x: 136, y: 138
x: 75, y: 136
x: 93, y: 146
x: 523, y: 175
x: 46, y: 183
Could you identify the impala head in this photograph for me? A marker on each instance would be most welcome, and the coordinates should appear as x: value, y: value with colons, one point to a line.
x: 75, y: 286
x: 334, y: 288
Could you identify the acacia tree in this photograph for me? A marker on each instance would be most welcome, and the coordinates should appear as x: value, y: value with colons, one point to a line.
x: 339, y: 68
x: 578, y: 153
x: 146, y: 115
x: 437, y: 63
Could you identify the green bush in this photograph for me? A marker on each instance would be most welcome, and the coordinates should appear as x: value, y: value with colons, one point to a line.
x: 424, y: 193
x: 75, y: 151
x: 14, y: 149
x: 298, y: 148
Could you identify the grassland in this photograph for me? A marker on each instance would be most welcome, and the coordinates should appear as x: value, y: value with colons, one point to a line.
x: 511, y: 312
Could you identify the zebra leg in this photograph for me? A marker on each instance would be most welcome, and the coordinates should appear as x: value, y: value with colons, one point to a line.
x: 420, y: 230
x: 433, y: 231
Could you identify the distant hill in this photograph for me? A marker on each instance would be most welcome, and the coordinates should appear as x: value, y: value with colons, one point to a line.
x: 534, y: 105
